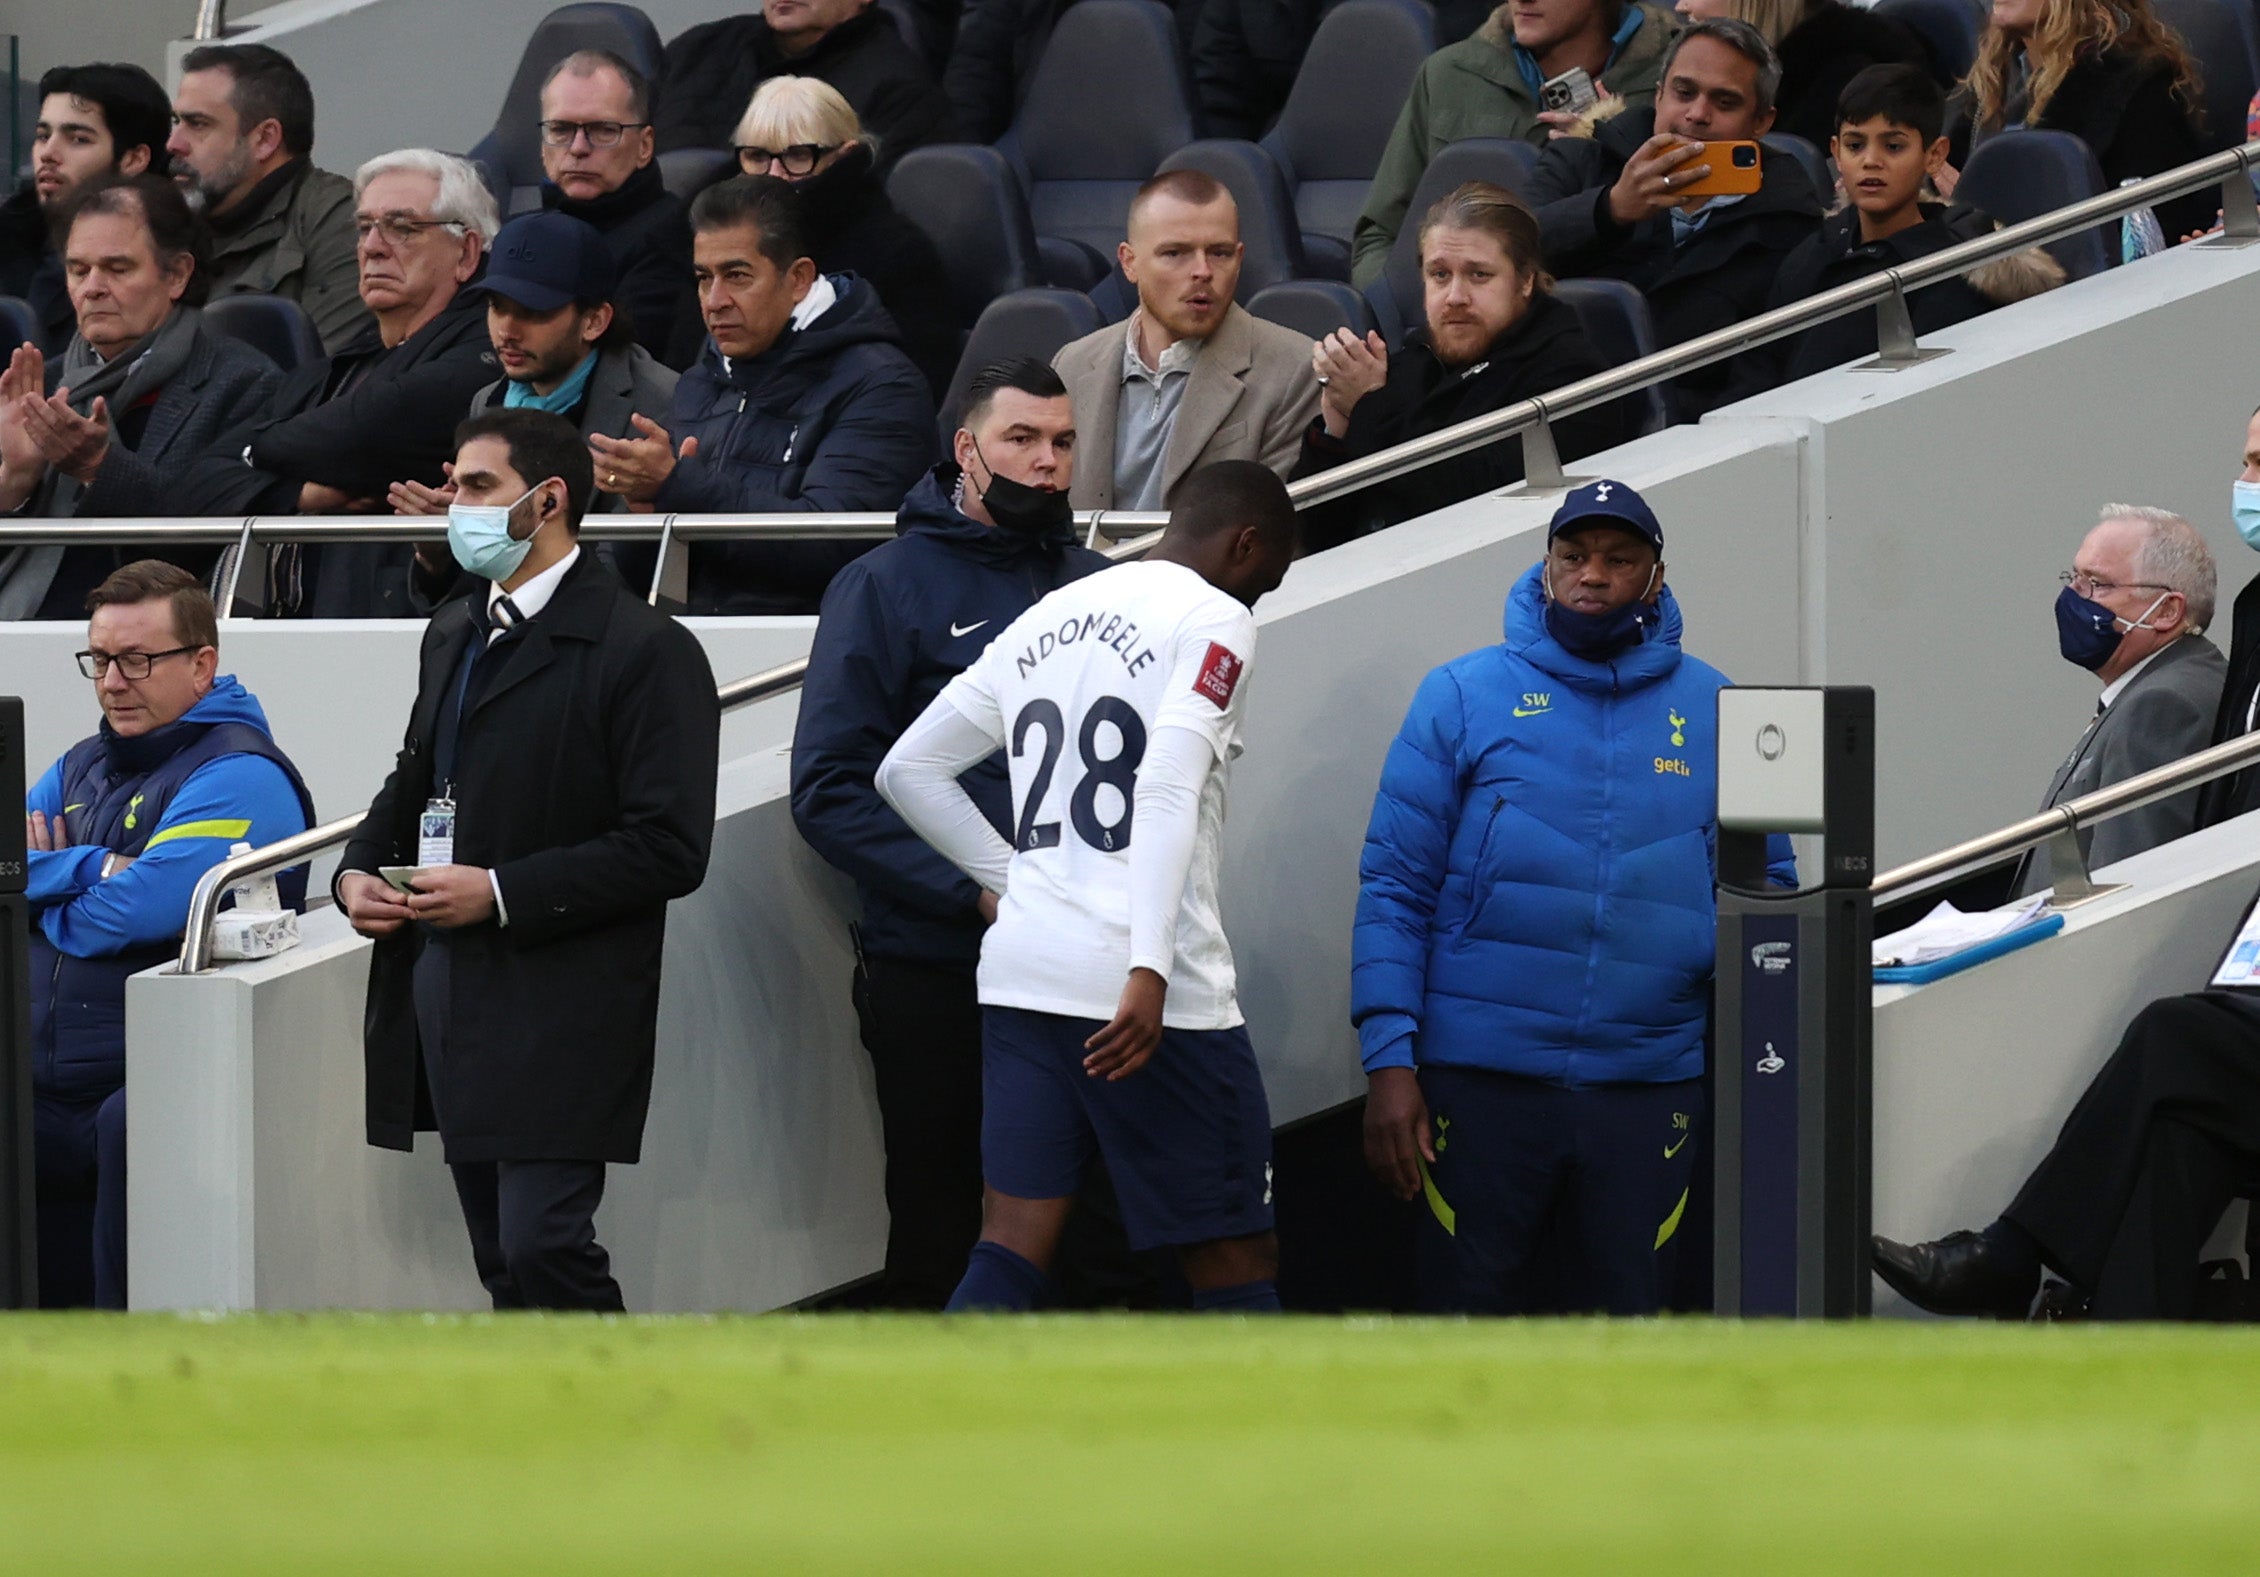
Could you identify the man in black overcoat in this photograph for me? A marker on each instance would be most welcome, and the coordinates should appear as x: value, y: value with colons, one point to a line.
x: 554, y: 792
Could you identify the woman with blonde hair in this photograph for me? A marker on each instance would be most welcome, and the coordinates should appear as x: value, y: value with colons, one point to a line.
x: 1823, y: 45
x: 2108, y: 71
x: 802, y: 131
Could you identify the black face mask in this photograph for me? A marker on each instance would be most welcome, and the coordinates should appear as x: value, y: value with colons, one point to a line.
x: 1016, y: 506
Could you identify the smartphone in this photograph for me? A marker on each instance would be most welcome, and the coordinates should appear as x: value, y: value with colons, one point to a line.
x: 1573, y: 91
x: 1734, y: 170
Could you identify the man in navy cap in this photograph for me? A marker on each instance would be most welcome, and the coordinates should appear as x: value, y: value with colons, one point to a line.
x: 1532, y: 960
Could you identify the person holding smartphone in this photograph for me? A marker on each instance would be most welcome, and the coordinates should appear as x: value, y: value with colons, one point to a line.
x: 1654, y: 199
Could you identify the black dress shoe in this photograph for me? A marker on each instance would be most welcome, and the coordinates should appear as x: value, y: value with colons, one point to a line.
x: 1961, y: 1273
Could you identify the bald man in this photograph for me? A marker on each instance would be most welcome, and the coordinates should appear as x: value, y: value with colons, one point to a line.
x: 1192, y: 378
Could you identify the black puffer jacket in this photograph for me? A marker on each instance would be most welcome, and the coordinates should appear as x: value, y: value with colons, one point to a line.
x: 708, y: 75
x: 1541, y: 351
x: 1834, y: 44
x: 647, y: 230
x: 854, y: 229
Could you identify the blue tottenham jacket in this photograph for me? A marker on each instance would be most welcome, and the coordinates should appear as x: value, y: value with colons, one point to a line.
x: 898, y: 624
x: 1536, y: 888
x: 173, y: 800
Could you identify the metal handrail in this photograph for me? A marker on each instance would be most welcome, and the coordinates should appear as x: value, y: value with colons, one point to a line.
x: 281, y: 855
x: 211, y: 21
x: 269, y: 529
x: 2069, y: 818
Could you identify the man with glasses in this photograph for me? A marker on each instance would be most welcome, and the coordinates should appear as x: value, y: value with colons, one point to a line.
x: 597, y: 152
x: 2136, y: 600
x: 120, y: 830
x: 340, y: 432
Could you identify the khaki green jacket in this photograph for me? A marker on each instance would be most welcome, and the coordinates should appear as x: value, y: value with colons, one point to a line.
x: 300, y: 246
x: 1474, y: 89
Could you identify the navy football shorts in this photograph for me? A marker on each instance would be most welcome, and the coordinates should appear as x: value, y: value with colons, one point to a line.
x: 1186, y: 1139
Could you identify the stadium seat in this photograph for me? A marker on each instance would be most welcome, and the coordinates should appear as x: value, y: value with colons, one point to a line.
x: 2222, y: 47
x: 1503, y: 161
x: 688, y: 171
x: 1316, y: 307
x: 274, y: 326
x: 1337, y: 119
x: 18, y: 323
x: 1108, y: 103
x: 1616, y: 319
x: 2024, y: 173
x: 1815, y: 162
x: 964, y: 197
x: 917, y: 31
x: 1949, y: 30
x: 510, y: 155
x: 1026, y: 323
x: 1267, y: 214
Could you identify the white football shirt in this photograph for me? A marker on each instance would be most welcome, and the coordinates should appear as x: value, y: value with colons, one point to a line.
x: 1075, y: 687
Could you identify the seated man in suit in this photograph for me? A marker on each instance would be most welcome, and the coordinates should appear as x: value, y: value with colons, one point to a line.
x: 2133, y: 611
x: 1193, y: 379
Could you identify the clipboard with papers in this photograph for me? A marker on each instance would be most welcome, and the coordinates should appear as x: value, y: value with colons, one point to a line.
x: 1947, y: 941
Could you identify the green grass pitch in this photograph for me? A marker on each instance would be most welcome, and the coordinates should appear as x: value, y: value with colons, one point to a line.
x: 831, y: 1444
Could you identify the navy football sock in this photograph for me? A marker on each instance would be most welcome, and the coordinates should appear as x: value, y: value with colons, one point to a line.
x: 1249, y: 1297
x: 997, y: 1281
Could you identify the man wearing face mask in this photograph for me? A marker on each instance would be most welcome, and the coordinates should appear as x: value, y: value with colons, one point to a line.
x: 2239, y: 712
x: 555, y: 792
x: 2133, y: 611
x: 980, y: 540
x: 1532, y: 959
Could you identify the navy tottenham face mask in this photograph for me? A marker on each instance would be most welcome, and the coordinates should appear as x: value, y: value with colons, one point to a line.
x: 1597, y: 637
x: 2087, y: 633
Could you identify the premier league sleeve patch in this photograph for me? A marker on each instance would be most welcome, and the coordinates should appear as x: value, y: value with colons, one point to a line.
x: 1219, y: 675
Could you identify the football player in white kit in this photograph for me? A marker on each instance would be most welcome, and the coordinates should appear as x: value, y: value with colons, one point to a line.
x: 1109, y: 1012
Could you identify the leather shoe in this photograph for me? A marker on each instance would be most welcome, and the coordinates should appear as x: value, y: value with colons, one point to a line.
x: 1961, y: 1273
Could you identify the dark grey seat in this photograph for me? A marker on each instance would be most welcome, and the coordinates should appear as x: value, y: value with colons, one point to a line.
x: 1396, y: 295
x: 2222, y: 46
x: 1108, y: 103
x: 1616, y: 319
x: 274, y: 326
x: 966, y: 199
x: 1949, y: 29
x: 1268, y: 229
x: 1316, y: 307
x: 1814, y: 161
x: 18, y: 323
x: 1329, y: 137
x: 2024, y: 173
x: 1026, y: 323
x: 688, y: 171
x: 510, y: 155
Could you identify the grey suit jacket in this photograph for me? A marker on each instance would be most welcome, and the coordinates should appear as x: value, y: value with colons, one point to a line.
x: 223, y: 382
x: 1249, y: 397
x: 2165, y: 713
x: 628, y: 381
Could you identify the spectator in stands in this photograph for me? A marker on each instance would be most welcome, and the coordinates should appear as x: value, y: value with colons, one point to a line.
x: 2166, y: 1134
x: 2108, y: 71
x: 1488, y: 86
x: 1609, y: 205
x: 980, y: 539
x: 598, y: 153
x: 94, y: 122
x: 242, y: 148
x: 120, y: 831
x: 556, y: 792
x: 802, y: 401
x: 800, y: 130
x: 1194, y: 378
x: 1888, y: 146
x: 1495, y: 335
x: 711, y: 71
x: 999, y: 45
x: 142, y: 389
x: 564, y: 348
x: 2239, y: 713
x: 1245, y: 56
x: 1532, y: 960
x: 1823, y: 45
x: 338, y: 433
x: 2133, y: 611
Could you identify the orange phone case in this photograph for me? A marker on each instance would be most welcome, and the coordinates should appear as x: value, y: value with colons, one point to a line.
x: 1725, y: 179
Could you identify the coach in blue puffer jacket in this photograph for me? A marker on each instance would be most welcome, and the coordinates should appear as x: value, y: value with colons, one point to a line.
x: 1535, y: 928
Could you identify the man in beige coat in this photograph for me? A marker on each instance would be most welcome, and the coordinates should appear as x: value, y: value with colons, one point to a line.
x: 1191, y: 378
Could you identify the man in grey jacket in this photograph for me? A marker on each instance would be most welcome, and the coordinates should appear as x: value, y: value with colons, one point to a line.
x: 2133, y: 610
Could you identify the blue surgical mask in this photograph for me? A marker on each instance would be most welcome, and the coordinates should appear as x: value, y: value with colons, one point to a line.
x: 479, y: 535
x: 2244, y: 503
x: 2087, y: 633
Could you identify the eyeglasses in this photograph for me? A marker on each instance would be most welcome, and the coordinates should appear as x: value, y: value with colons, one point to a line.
x: 600, y: 133
x: 399, y: 231
x: 2086, y: 585
x: 134, y: 665
x: 800, y: 159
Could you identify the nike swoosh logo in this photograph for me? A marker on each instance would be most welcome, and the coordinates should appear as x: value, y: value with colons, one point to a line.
x: 1674, y: 1149
x: 956, y: 631
x: 1536, y: 711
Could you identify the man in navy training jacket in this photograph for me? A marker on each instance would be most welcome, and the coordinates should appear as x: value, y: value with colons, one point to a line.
x: 1531, y: 968
x: 120, y: 830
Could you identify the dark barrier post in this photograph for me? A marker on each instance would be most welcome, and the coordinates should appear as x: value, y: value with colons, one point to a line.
x: 1792, y: 1058
x: 19, y: 1232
